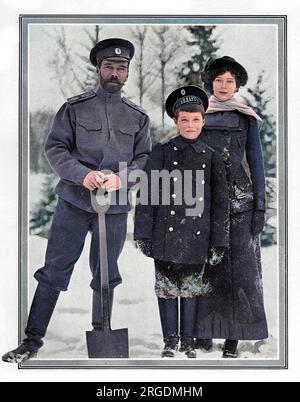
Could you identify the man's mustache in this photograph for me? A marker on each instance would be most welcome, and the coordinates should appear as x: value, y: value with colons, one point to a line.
x: 114, y: 80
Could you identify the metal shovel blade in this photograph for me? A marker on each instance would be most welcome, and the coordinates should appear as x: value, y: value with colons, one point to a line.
x: 107, y: 343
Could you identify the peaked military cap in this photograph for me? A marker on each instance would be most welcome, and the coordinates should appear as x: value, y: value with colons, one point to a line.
x: 213, y: 66
x: 183, y: 95
x: 113, y: 47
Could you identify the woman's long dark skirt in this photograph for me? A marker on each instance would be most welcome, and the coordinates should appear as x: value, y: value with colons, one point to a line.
x: 235, y: 308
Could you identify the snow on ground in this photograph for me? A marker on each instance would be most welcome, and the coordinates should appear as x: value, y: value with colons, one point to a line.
x: 135, y: 308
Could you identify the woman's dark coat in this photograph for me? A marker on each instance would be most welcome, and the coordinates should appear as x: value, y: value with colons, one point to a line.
x: 175, y: 236
x: 235, y: 309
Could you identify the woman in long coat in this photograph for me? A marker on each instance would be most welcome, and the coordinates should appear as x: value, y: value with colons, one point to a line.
x: 173, y: 232
x: 235, y: 309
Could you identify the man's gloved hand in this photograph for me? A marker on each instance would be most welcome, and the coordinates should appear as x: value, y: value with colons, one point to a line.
x: 258, y: 222
x: 215, y: 255
x: 145, y: 246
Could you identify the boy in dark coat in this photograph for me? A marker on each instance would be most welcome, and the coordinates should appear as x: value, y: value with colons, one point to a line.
x: 178, y: 232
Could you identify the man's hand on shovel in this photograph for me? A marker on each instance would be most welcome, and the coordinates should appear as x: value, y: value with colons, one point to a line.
x: 111, y: 182
x: 93, y: 180
x: 96, y: 179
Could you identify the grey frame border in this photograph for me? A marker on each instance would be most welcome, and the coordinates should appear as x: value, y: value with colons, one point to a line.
x: 281, y: 22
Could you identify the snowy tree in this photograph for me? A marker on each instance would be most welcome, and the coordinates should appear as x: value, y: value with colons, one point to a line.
x: 166, y: 48
x: 206, y: 46
x: 259, y: 101
x: 40, y: 123
x: 41, y: 216
x: 71, y: 64
x: 142, y: 61
x: 197, y: 45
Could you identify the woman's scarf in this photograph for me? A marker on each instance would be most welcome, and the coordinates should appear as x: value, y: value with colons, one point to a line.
x: 215, y: 105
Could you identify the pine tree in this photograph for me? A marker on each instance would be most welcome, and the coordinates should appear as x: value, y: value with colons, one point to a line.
x: 206, y: 47
x: 40, y: 124
x: 201, y: 38
x: 259, y: 101
x: 41, y: 216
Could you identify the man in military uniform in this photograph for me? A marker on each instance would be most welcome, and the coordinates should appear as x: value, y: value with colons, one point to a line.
x: 91, y: 134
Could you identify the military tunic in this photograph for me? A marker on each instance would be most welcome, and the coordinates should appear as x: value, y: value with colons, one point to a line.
x: 96, y: 131
x: 92, y: 131
x: 235, y: 308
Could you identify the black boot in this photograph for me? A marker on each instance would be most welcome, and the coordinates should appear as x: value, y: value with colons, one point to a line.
x: 97, y: 308
x: 230, y: 349
x: 187, y: 346
x: 171, y: 346
x: 204, y: 344
x: 168, y: 311
x: 23, y: 352
x: 41, y: 310
x: 187, y: 319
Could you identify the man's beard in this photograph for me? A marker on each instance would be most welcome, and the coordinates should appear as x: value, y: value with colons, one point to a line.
x: 113, y: 85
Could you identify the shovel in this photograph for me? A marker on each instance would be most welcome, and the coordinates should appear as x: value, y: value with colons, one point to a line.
x: 105, y: 343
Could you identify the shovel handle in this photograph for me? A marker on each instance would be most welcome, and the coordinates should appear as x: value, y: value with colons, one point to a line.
x: 100, y: 201
x: 105, y: 299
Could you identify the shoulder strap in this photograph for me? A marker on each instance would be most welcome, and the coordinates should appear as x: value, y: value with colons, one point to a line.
x: 81, y: 97
x: 133, y: 105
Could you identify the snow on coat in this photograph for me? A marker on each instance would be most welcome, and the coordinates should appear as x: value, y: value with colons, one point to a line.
x: 235, y: 308
x: 175, y: 236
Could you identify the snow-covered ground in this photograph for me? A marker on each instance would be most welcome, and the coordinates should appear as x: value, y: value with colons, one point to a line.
x: 135, y: 308
x: 135, y: 305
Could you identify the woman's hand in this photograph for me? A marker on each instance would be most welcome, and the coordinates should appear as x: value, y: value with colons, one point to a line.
x: 258, y: 222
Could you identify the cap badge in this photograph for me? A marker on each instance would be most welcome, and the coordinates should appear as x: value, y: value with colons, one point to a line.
x: 118, y: 50
x: 182, y: 92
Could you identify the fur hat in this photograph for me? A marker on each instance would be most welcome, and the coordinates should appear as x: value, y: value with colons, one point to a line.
x: 218, y: 66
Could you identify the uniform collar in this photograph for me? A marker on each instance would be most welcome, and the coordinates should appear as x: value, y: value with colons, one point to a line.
x: 104, y: 95
x: 180, y: 144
